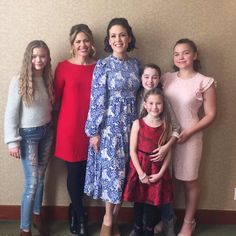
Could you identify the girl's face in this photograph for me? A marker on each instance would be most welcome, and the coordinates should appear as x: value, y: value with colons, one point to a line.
x: 39, y: 60
x: 154, y: 105
x: 82, y: 45
x: 150, y: 78
x: 184, y: 56
x: 119, y: 40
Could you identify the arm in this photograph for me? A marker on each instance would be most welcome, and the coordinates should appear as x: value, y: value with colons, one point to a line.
x: 133, y: 152
x: 155, y: 177
x: 59, y: 84
x: 161, y: 152
x: 12, y: 119
x: 209, y: 105
x: 98, y: 104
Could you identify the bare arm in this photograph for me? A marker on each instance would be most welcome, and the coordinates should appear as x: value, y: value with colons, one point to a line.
x: 133, y: 152
x: 161, y: 152
x: 209, y: 105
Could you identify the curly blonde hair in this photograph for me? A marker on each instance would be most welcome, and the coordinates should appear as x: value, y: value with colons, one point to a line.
x: 26, y: 82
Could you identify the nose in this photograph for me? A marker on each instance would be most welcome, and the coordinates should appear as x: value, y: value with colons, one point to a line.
x: 118, y: 37
x: 150, y: 80
x: 38, y: 59
x: 181, y: 56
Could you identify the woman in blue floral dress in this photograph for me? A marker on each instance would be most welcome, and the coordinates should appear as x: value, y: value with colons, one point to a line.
x: 112, y: 111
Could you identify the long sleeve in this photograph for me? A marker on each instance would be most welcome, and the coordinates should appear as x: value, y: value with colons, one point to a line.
x: 174, y: 121
x: 12, y: 115
x: 59, y: 83
x: 98, y: 99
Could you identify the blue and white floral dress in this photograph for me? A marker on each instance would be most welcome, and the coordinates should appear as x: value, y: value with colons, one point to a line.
x: 111, y: 114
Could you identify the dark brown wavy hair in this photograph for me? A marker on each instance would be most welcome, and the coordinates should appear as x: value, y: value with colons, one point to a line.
x: 124, y: 23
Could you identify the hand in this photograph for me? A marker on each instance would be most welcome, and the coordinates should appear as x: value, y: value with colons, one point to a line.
x: 154, y: 178
x: 184, y: 136
x: 145, y: 180
x: 95, y: 141
x: 14, y: 152
x: 159, y: 153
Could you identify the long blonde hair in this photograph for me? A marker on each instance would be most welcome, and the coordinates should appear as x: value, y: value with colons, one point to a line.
x: 26, y: 83
x: 165, y: 115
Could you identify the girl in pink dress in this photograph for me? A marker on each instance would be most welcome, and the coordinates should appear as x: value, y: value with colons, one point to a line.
x: 188, y: 90
x: 149, y: 183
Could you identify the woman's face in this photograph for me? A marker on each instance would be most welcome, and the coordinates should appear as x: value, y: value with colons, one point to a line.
x: 184, y: 56
x: 39, y: 60
x: 150, y: 78
x: 82, y: 45
x: 119, y: 40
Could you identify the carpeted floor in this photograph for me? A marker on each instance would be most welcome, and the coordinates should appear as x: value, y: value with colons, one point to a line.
x: 60, y: 228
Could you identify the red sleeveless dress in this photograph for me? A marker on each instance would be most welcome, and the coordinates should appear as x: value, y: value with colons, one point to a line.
x: 157, y: 193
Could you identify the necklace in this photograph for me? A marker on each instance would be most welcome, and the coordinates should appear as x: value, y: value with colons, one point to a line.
x: 153, y: 120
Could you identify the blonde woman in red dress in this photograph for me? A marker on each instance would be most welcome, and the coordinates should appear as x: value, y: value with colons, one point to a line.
x: 72, y: 89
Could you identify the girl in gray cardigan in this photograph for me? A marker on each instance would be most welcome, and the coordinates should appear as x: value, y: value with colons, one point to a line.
x: 28, y: 132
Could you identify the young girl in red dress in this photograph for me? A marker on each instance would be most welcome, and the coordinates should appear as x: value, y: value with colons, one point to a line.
x: 149, y: 183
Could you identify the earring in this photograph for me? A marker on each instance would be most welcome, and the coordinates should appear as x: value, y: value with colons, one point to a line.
x: 72, y: 53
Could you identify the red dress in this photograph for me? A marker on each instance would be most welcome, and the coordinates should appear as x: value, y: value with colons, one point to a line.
x: 72, y: 90
x: 157, y: 193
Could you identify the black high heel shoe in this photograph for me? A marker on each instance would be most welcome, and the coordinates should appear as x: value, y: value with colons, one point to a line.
x: 73, y: 220
x: 82, y: 228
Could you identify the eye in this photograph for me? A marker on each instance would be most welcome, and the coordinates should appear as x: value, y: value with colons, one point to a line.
x: 156, y: 77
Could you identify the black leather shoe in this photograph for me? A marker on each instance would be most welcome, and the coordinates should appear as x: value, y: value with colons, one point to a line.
x: 82, y: 231
x: 73, y: 220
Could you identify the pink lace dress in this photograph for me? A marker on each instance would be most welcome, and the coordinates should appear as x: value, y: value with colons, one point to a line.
x: 186, y: 98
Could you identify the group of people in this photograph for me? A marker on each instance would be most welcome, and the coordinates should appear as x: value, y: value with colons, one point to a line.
x: 118, y: 129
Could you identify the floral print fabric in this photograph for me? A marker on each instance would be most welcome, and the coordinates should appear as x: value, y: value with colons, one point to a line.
x: 111, y: 113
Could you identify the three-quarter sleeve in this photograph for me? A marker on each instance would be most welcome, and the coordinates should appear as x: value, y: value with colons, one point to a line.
x: 12, y: 115
x: 174, y: 121
x: 98, y: 99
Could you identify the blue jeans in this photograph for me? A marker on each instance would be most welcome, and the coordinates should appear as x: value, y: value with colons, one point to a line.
x: 35, y: 152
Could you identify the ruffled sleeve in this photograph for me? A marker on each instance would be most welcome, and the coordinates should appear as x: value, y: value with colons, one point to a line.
x: 204, y: 84
x: 98, y: 99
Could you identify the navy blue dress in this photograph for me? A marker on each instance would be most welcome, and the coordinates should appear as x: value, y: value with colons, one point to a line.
x: 111, y: 114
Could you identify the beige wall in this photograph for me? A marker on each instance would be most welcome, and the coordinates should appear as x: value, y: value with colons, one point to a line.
x: 157, y: 24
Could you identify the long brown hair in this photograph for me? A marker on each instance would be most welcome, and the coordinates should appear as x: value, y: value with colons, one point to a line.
x: 165, y: 115
x: 26, y: 83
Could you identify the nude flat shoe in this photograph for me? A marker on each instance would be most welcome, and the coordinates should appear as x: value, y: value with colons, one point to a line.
x: 193, y: 226
x: 106, y: 230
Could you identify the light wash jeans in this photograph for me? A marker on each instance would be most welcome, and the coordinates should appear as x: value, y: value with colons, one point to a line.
x: 35, y: 152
